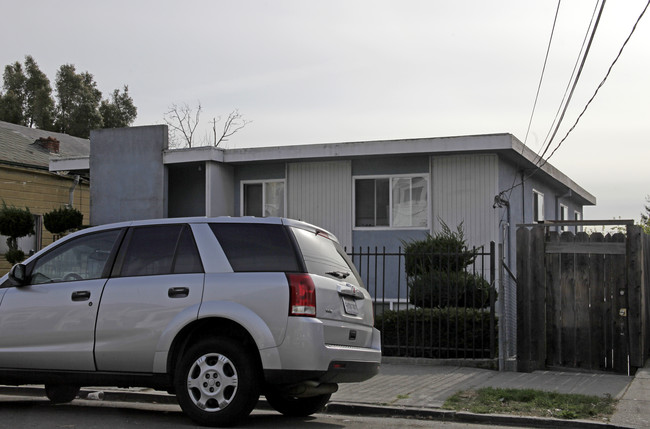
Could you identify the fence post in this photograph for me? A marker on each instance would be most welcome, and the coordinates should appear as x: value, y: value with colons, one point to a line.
x: 531, y: 299
x: 492, y: 297
x: 636, y: 297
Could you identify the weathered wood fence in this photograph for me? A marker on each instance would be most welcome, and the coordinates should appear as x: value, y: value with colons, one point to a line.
x: 582, y: 300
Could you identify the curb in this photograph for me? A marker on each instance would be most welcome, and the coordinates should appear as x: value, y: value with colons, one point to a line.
x: 348, y: 408
x: 342, y: 408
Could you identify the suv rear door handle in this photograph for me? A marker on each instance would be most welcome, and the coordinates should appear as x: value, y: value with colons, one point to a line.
x: 81, y: 295
x: 178, y: 292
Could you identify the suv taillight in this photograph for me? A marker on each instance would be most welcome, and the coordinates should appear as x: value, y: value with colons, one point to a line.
x: 302, y: 295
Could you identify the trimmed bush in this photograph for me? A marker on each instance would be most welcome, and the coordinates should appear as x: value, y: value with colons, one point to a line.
x: 15, y: 223
x: 61, y: 220
x: 454, y: 289
x: 13, y: 256
x: 441, y: 333
x: 446, y: 250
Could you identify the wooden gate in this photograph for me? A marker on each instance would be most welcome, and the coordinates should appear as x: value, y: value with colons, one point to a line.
x: 581, y: 300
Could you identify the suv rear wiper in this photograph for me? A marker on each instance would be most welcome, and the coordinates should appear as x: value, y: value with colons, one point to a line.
x: 338, y: 274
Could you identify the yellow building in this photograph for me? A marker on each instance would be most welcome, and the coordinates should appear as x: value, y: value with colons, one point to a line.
x: 25, y: 179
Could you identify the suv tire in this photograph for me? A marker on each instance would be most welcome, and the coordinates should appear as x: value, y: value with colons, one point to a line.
x: 296, y: 407
x: 61, y: 393
x: 217, y: 382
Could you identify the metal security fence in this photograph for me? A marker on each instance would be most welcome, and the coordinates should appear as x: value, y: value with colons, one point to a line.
x: 444, y: 311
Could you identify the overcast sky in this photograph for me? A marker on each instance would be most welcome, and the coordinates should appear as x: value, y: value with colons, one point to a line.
x: 333, y: 71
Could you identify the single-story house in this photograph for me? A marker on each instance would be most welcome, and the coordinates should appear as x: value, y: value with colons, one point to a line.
x: 25, y: 179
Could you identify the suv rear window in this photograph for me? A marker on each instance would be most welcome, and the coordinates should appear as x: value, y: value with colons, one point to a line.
x: 252, y: 247
x: 326, y: 257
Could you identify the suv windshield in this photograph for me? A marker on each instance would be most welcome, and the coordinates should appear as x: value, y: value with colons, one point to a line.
x: 326, y: 257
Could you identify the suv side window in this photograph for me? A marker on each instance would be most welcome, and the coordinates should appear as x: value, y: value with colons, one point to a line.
x: 161, y: 249
x: 82, y: 258
x: 257, y: 247
x: 323, y: 256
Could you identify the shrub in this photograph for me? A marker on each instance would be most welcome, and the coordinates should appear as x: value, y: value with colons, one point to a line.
x: 446, y: 250
x: 456, y: 289
x: 13, y: 256
x: 15, y: 223
x: 450, y: 332
x: 63, y: 219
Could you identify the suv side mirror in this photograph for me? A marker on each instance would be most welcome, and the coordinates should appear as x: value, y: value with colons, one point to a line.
x: 18, y: 273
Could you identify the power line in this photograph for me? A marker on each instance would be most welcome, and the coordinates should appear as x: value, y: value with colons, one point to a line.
x: 565, y: 100
x: 575, y: 84
x: 499, y: 200
x: 601, y: 83
x: 586, y: 105
x: 541, y: 77
x: 555, y: 122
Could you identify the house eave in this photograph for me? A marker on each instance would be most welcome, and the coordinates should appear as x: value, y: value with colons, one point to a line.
x: 75, y: 163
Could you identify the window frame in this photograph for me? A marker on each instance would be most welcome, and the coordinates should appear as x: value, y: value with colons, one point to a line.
x: 264, y: 182
x: 564, y: 215
x: 577, y: 216
x: 538, y: 215
x: 63, y: 244
x: 391, y: 226
x: 119, y: 266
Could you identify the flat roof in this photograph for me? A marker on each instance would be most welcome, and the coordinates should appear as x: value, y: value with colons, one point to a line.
x: 505, y: 144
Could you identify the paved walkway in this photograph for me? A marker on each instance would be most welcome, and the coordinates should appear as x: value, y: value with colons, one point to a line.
x: 403, y: 388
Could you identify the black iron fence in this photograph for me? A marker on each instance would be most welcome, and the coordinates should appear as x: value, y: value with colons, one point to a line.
x: 438, y: 305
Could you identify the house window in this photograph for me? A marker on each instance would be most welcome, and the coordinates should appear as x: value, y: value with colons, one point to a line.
x: 538, y: 206
x: 263, y: 199
x: 394, y: 202
x: 564, y: 215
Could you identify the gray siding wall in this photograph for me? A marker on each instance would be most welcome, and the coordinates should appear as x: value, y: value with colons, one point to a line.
x: 128, y: 176
x: 321, y: 193
x: 220, y: 195
x: 462, y: 190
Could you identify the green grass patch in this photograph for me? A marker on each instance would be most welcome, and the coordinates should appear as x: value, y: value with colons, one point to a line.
x: 529, y: 402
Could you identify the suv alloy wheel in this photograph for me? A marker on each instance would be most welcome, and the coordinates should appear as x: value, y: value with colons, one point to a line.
x: 217, y: 382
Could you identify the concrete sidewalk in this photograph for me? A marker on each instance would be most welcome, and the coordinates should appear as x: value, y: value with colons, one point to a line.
x: 407, y: 387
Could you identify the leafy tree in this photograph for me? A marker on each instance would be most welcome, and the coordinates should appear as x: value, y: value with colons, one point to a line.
x: 119, y: 111
x: 15, y: 223
x: 12, y: 102
x: 39, y: 105
x: 78, y: 102
x: 645, y: 217
x: 26, y: 99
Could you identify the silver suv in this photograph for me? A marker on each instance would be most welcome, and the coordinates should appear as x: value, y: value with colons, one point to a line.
x: 215, y: 310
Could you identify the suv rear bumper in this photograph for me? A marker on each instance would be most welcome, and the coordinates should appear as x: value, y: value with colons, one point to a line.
x: 338, y: 372
x: 304, y: 355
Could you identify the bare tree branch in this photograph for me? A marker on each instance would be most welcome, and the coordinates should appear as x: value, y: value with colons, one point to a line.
x: 233, y: 123
x: 183, y: 120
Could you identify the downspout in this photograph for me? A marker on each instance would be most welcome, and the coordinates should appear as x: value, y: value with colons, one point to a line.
x: 77, y: 178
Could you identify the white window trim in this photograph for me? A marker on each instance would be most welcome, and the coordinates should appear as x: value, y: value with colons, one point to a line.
x: 564, y: 209
x: 536, y: 193
x: 577, y: 216
x: 263, y: 183
x: 390, y: 178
